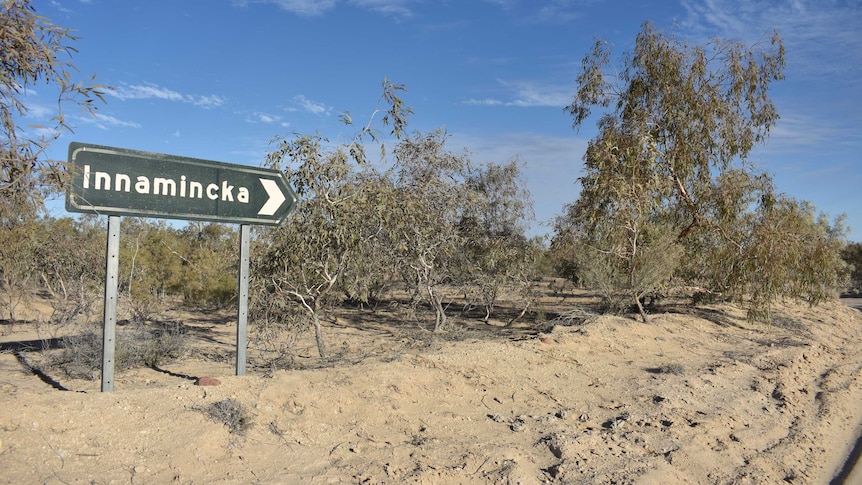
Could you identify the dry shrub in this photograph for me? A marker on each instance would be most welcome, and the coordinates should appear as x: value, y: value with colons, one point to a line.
x: 137, y: 345
x: 231, y: 413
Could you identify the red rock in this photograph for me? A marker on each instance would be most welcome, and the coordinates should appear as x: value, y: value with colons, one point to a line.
x: 207, y: 381
x: 547, y: 340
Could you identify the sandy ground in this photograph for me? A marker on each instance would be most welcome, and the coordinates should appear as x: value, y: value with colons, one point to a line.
x: 694, y: 396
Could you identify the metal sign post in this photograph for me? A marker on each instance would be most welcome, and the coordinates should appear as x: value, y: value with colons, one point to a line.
x: 109, y: 328
x: 242, y: 300
x: 122, y: 182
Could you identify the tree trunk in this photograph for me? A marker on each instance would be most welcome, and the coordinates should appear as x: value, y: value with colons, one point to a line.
x: 523, y: 312
x: 318, y: 335
x: 440, y: 317
x: 641, y: 309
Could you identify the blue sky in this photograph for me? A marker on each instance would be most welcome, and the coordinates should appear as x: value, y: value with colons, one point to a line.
x: 218, y: 79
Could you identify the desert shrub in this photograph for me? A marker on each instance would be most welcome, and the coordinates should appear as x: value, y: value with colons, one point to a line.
x: 70, y: 258
x: 852, y: 256
x: 231, y: 413
x: 274, y: 334
x: 158, y: 345
x: 674, y: 368
x: 208, y: 264
x: 81, y: 355
x: 137, y: 345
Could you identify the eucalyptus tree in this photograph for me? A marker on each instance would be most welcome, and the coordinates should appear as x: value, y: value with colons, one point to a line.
x: 794, y: 251
x: 19, y: 274
x: 498, y: 255
x: 617, y: 234
x: 698, y: 109
x: 207, y: 254
x: 307, y: 257
x: 852, y: 256
x: 35, y: 51
x: 303, y: 265
x: 70, y: 260
x: 432, y: 190
x: 152, y: 256
x: 672, y: 155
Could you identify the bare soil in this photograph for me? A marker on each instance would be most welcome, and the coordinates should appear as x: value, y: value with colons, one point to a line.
x: 694, y: 396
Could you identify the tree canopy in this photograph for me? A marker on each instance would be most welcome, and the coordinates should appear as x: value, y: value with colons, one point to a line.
x: 34, y: 51
x: 669, y: 199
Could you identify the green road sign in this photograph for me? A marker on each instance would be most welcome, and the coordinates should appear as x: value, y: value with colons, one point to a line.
x: 118, y: 181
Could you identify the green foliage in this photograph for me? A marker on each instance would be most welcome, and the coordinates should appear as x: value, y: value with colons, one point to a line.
x: 852, y: 256
x: 149, y: 264
x: 668, y: 197
x: 157, y: 261
x: 620, y: 239
x: 210, y: 258
x: 307, y: 257
x: 693, y: 111
x: 300, y: 267
x: 18, y: 271
x: 34, y: 51
x: 428, y: 219
x: 70, y: 259
x: 431, y: 190
x: 790, y: 252
x: 624, y: 276
x: 61, y: 256
x: 497, y: 254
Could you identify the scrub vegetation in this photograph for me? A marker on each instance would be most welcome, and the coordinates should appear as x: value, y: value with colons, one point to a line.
x: 668, y: 208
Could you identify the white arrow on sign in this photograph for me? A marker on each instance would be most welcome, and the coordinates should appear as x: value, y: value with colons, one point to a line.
x: 276, y: 197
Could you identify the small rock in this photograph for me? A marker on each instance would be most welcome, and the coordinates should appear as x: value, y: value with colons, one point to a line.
x: 547, y: 340
x: 207, y: 381
x: 518, y: 424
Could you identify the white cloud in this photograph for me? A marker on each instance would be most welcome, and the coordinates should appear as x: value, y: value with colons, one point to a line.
x: 547, y: 11
x: 59, y: 6
x: 312, y: 106
x: 258, y: 117
x: 147, y: 91
x: 153, y: 91
x: 206, y: 101
x: 821, y: 38
x: 483, y: 102
x: 392, y: 8
x: 314, y: 8
x: 528, y: 94
x: 39, y: 111
x: 306, y: 8
x: 502, y: 3
x: 106, y: 121
x: 802, y: 132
